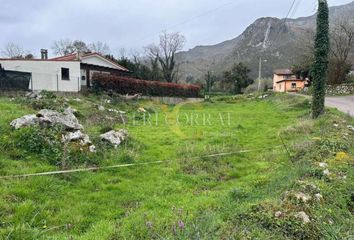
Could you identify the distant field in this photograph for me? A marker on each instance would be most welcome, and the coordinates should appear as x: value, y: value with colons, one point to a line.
x: 218, y: 197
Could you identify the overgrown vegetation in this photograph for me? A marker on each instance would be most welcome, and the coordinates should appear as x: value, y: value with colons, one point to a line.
x: 251, y: 195
x: 320, y: 67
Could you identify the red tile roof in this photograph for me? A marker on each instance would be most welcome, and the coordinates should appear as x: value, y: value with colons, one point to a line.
x: 74, y: 57
x: 283, y: 72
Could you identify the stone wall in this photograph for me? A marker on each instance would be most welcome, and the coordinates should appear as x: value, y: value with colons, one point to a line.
x: 342, y: 89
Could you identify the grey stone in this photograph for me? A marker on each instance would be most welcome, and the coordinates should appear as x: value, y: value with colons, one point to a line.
x: 351, y: 128
x: 92, y: 149
x: 303, y: 197
x: 326, y: 172
x: 318, y: 197
x: 142, y: 110
x: 115, y: 137
x: 278, y: 214
x: 67, y: 119
x: 323, y: 165
x: 304, y: 217
x: 34, y: 95
x: 25, y: 121
x: 78, y: 136
x: 49, y: 117
x: 101, y: 108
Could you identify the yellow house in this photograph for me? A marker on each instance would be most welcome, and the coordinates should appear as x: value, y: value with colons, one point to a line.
x: 284, y: 80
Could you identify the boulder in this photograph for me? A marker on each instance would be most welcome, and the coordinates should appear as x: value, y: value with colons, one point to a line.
x: 25, y: 121
x: 67, y: 119
x: 49, y: 117
x: 101, y: 108
x: 115, y: 137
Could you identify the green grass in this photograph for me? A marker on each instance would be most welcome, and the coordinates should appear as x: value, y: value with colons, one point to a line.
x: 214, y: 197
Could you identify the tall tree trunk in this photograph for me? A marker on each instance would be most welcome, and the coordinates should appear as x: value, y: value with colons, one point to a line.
x: 321, y: 59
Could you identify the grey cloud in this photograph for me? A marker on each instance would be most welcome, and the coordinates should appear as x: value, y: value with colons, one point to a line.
x: 36, y: 24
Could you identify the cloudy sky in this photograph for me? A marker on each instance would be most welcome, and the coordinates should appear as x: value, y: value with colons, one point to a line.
x: 35, y: 24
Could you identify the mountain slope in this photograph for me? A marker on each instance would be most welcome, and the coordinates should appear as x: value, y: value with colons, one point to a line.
x: 276, y: 40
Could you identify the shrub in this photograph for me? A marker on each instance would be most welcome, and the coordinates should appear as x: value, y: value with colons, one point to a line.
x: 44, y: 142
x: 126, y: 85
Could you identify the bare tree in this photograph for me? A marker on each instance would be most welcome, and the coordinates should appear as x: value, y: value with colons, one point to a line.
x: 342, y: 44
x: 66, y: 47
x: 63, y: 47
x: 122, y: 53
x: 12, y: 50
x: 99, y: 47
x: 305, y: 49
x: 165, y: 52
x: 80, y: 47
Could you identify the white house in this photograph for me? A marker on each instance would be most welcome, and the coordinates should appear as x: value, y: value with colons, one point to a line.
x: 63, y: 74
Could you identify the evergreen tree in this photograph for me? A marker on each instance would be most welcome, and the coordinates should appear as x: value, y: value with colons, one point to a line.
x: 320, y: 67
x: 238, y: 77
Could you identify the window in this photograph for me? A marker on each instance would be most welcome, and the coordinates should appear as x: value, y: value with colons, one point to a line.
x: 65, y: 74
x: 293, y: 85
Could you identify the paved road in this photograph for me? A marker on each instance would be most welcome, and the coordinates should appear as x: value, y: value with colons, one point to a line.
x: 344, y: 104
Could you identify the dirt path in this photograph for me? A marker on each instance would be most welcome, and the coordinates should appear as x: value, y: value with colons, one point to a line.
x: 344, y: 104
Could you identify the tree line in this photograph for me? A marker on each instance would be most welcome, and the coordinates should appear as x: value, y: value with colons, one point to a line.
x: 340, y: 50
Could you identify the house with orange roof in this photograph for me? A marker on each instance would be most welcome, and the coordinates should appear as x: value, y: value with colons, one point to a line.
x: 284, y: 80
x: 70, y: 73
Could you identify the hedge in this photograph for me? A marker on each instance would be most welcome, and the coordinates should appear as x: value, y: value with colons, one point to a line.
x: 126, y: 85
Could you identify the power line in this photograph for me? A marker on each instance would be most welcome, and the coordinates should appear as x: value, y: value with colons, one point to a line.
x: 295, y: 9
x: 191, y: 19
x: 275, y: 40
x: 284, y: 21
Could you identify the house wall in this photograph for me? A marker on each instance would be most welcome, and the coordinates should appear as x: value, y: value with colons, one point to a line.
x: 286, y: 86
x: 279, y: 87
x: 299, y: 85
x: 282, y: 86
x: 46, y: 75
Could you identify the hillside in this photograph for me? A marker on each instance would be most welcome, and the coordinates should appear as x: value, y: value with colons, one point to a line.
x: 279, y: 50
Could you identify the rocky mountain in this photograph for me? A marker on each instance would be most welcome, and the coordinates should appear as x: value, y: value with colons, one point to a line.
x: 278, y: 41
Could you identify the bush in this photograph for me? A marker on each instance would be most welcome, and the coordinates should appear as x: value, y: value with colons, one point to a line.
x: 125, y: 85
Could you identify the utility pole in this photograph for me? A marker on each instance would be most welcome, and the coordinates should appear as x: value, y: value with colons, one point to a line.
x: 259, y: 74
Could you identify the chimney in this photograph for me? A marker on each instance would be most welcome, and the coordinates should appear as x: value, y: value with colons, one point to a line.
x: 44, y: 54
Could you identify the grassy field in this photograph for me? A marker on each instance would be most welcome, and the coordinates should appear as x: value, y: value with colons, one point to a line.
x: 191, y: 195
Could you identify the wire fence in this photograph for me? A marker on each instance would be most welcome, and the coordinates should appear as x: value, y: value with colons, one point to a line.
x: 14, y: 80
x: 93, y: 169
